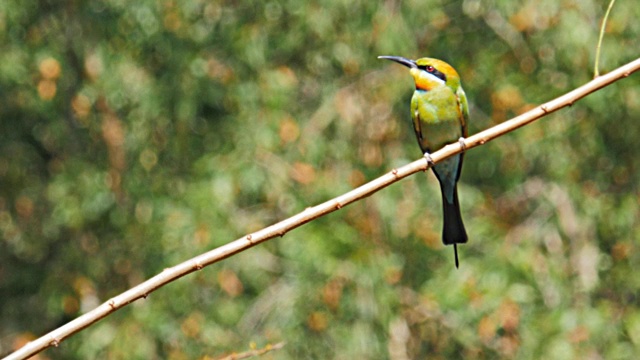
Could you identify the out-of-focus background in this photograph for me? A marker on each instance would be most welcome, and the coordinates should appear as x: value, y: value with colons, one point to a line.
x: 136, y: 135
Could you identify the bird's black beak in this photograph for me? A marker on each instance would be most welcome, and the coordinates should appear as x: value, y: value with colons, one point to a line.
x: 399, y: 59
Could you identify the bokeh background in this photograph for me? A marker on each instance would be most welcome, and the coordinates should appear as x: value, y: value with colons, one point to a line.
x: 136, y: 135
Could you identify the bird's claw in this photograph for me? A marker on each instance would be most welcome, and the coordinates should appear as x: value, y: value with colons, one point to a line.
x: 463, y: 145
x: 429, y: 159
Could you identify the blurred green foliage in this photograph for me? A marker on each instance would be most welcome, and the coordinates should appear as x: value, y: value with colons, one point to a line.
x: 136, y: 135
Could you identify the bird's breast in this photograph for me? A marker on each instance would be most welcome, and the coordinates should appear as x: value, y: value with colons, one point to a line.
x: 436, y: 118
x: 436, y: 106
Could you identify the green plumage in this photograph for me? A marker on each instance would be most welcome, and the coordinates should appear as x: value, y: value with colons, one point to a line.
x: 437, y: 122
x: 440, y: 113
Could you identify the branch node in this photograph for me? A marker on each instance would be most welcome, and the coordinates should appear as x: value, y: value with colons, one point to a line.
x: 544, y: 109
x: 55, y: 342
x: 144, y: 296
x: 112, y: 304
x: 198, y: 265
x: 482, y: 141
x: 250, y: 239
x: 338, y: 205
x: 395, y: 173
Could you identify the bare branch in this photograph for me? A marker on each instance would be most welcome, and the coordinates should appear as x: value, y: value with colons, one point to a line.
x: 55, y: 337
x: 596, y: 72
x: 254, y: 352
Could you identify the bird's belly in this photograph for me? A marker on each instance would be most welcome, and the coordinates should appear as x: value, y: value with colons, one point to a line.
x: 437, y: 135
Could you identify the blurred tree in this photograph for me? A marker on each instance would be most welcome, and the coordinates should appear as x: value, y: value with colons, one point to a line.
x: 136, y: 135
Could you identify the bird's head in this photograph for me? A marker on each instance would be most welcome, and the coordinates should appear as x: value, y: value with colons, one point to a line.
x: 429, y: 73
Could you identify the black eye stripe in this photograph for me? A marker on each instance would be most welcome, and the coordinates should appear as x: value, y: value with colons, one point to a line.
x: 433, y: 71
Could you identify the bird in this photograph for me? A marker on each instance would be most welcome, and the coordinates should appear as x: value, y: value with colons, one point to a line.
x: 440, y: 113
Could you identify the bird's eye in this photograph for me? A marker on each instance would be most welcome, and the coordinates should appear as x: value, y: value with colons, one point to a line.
x: 433, y: 71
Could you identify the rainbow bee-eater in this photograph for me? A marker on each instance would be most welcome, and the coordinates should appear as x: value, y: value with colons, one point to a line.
x: 440, y: 113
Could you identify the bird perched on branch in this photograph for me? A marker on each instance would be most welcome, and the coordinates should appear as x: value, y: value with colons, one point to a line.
x: 440, y: 113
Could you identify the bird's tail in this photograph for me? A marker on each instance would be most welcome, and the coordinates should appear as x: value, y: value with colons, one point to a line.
x: 453, y: 231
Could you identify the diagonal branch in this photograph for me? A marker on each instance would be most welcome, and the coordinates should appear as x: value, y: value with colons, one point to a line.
x: 254, y: 352
x: 279, y: 229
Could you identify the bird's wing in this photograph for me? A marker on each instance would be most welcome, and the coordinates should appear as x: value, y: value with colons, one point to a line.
x: 417, y: 126
x: 463, y: 107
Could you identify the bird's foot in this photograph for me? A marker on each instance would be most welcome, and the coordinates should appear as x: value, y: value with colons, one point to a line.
x: 463, y: 145
x: 429, y: 159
